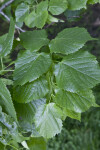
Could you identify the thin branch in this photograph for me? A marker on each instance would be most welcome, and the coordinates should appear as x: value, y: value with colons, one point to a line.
x: 7, y: 18
x: 3, y: 14
x: 5, y: 5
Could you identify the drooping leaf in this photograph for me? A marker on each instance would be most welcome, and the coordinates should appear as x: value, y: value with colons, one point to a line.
x: 2, y: 39
x: 76, y: 102
x: 77, y: 4
x: 48, y: 120
x: 30, y: 66
x: 37, y: 144
x: 34, y: 40
x: 77, y: 72
x: 31, y: 91
x: 10, y: 127
x: 56, y: 7
x: 6, y: 101
x: 8, y: 43
x: 69, y: 40
x: 21, y: 12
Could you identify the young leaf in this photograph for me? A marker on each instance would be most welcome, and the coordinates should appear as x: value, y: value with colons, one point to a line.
x: 21, y: 12
x: 48, y: 120
x: 31, y: 91
x: 30, y: 19
x: 37, y: 144
x: 77, y: 72
x: 69, y: 40
x: 39, y: 17
x: 41, y: 14
x: 6, y: 101
x: 34, y: 40
x: 56, y: 7
x: 76, y: 102
x: 8, y: 43
x: 30, y: 66
x: 76, y: 4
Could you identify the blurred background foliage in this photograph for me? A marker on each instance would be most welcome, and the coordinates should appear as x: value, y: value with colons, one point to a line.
x: 84, y: 135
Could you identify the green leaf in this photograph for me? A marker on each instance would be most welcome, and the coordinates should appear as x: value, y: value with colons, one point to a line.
x: 53, y: 19
x: 21, y: 12
x: 76, y: 102
x: 48, y: 120
x: 25, y: 114
x: 34, y: 40
x: 56, y: 7
x: 37, y: 144
x: 6, y: 101
x: 31, y: 91
x: 77, y: 72
x: 69, y: 40
x: 30, y: 20
x: 9, y: 127
x: 8, y: 43
x: 93, y: 1
x: 2, y: 39
x: 39, y: 17
x: 2, y: 146
x: 30, y: 66
x: 7, y: 81
x: 72, y: 114
x: 77, y: 4
x: 41, y: 14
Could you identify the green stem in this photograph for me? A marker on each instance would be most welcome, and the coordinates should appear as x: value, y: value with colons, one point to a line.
x: 7, y: 70
x: 12, y: 146
x: 1, y: 62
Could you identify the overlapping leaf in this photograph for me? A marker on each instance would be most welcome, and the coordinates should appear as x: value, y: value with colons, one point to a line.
x: 25, y: 114
x: 8, y: 43
x: 72, y: 114
x: 57, y: 7
x: 37, y: 144
x: 93, y: 1
x: 34, y: 40
x: 6, y: 101
x: 21, y: 12
x: 30, y: 66
x: 31, y: 91
x: 77, y: 4
x: 48, y: 120
x: 77, y: 72
x: 70, y: 40
x: 76, y: 102
x: 10, y: 127
x: 38, y: 18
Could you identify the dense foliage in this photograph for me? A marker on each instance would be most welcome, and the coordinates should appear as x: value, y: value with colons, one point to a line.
x: 51, y: 79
